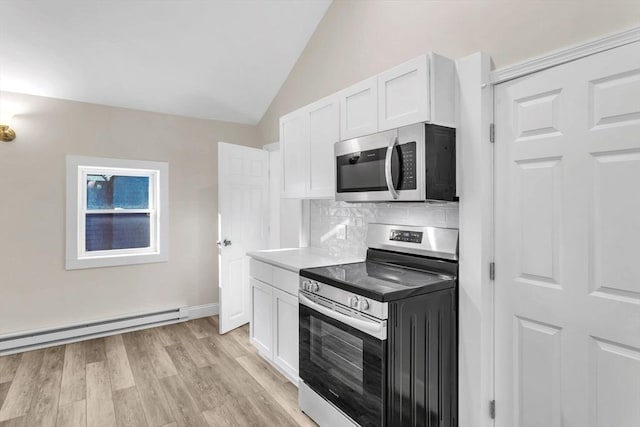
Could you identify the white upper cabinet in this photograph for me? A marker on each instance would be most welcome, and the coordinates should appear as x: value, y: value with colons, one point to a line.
x: 403, y: 94
x: 359, y: 109
x: 442, y: 99
x: 307, y: 136
x: 419, y: 90
x: 294, y: 152
x: 324, y: 119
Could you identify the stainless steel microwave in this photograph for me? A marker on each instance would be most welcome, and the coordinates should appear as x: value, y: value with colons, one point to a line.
x: 411, y: 163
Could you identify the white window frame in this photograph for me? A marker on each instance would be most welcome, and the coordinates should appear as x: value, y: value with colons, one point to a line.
x: 78, y: 167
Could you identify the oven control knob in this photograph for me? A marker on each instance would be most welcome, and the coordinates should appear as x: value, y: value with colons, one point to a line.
x: 364, y: 304
x: 353, y: 302
x: 305, y: 285
x: 314, y: 287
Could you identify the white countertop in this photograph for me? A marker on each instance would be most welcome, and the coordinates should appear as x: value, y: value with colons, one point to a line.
x: 298, y: 258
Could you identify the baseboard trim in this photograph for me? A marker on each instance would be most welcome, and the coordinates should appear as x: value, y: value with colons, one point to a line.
x: 42, y: 338
x: 48, y: 344
x: 204, y: 310
x: 563, y: 56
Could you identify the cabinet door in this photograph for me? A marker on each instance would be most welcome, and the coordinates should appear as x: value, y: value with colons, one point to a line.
x: 294, y: 152
x: 261, y: 325
x: 403, y: 94
x: 324, y: 131
x: 359, y: 109
x: 285, y: 332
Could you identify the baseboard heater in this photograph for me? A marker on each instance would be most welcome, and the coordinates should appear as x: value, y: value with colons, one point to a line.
x: 31, y: 340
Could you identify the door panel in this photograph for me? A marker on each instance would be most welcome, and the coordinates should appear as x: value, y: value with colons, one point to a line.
x: 539, y: 211
x: 615, y: 100
x: 243, y: 220
x: 234, y: 301
x: 615, y: 231
x: 567, y: 184
x: 537, y: 116
x: 537, y: 367
x: 615, y: 373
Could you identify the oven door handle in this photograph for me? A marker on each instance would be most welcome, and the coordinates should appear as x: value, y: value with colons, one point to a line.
x: 370, y: 327
x: 387, y: 167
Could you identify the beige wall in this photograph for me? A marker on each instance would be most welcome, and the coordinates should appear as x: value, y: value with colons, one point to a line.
x: 35, y: 289
x: 359, y: 38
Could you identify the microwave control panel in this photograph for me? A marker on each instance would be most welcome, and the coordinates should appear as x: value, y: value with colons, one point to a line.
x: 407, y: 166
x: 406, y: 236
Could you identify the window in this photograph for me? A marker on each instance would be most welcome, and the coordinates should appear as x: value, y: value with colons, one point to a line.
x: 117, y: 212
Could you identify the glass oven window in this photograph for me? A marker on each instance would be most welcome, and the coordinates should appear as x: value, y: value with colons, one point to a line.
x: 339, y: 353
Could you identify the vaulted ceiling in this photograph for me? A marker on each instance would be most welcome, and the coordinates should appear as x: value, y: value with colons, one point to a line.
x: 213, y: 59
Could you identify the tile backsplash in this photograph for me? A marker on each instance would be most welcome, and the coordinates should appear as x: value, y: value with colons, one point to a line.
x: 326, y: 217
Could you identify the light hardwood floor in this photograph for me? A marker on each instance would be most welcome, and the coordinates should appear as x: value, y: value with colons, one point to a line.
x: 177, y: 375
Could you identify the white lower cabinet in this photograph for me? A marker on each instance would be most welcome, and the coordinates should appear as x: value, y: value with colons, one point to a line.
x: 285, y: 332
x: 274, y: 316
x: 261, y: 325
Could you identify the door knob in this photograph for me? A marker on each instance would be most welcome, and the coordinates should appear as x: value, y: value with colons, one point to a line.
x: 225, y: 242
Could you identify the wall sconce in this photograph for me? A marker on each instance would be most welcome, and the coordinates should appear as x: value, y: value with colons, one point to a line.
x: 6, y: 133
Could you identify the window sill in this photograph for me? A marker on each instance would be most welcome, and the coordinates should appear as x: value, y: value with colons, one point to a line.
x: 112, y: 261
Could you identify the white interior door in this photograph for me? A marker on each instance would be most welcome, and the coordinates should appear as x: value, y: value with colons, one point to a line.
x: 567, y: 253
x: 243, y: 226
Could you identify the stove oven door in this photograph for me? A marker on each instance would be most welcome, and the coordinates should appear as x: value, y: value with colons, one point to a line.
x: 345, y: 365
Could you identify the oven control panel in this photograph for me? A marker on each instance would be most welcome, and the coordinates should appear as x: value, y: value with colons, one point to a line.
x: 405, y: 236
x: 353, y: 301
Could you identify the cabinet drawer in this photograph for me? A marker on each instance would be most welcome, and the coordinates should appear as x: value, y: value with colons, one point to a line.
x: 261, y: 271
x: 286, y: 281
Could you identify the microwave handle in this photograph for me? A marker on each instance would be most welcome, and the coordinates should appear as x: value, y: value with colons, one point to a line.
x: 387, y: 167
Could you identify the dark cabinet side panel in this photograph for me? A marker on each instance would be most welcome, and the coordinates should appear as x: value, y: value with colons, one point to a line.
x: 440, y: 147
x: 422, y: 381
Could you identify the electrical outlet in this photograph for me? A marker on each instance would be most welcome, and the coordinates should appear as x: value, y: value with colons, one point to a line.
x: 341, y: 232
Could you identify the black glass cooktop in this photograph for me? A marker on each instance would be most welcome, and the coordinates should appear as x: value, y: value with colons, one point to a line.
x: 383, y: 281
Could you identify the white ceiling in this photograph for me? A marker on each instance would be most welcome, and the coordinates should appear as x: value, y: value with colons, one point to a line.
x: 213, y: 59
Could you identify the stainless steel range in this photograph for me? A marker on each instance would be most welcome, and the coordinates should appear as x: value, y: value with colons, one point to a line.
x: 378, y: 339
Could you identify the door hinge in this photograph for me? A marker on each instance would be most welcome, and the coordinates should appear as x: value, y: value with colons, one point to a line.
x: 492, y: 409
x: 492, y: 271
x: 492, y: 132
